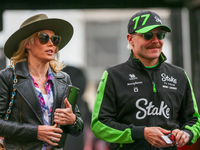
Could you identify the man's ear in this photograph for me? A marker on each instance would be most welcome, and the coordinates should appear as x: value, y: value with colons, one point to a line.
x: 130, y: 39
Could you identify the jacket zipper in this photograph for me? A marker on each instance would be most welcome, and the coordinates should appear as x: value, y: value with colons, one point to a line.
x: 121, y: 144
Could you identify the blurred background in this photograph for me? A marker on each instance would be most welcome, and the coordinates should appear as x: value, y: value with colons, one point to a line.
x: 99, y: 42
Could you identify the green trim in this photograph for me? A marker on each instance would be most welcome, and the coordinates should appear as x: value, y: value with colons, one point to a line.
x: 135, y: 59
x: 133, y: 55
x: 99, y: 129
x: 151, y: 27
x: 152, y: 66
x: 195, y: 129
x: 163, y: 58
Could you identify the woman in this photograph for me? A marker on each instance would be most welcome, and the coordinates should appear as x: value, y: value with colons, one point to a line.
x: 40, y: 87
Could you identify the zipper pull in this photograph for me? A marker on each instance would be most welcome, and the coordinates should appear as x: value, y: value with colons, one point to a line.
x: 121, y: 144
x: 154, y: 88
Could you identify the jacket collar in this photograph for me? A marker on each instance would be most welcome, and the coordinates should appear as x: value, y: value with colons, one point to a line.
x: 136, y: 63
x: 21, y: 70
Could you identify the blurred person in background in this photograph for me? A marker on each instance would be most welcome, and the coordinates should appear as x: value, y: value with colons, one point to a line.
x: 87, y: 140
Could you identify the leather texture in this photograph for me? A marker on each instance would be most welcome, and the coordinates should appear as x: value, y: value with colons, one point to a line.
x: 20, y: 131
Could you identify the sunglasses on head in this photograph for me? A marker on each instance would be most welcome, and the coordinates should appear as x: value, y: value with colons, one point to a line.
x: 149, y: 35
x: 44, y: 39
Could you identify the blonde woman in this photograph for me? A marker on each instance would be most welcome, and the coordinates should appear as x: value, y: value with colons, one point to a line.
x: 40, y: 88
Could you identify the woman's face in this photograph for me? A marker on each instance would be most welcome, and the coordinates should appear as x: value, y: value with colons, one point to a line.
x: 41, y: 52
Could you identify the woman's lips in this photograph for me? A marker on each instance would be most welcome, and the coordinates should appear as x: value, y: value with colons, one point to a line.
x: 49, y: 51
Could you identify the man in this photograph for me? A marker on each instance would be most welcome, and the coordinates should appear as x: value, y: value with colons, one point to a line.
x: 146, y: 103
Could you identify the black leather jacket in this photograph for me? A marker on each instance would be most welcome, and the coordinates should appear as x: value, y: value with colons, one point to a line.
x: 20, y: 131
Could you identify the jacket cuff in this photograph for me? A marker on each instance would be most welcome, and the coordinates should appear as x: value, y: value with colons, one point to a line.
x: 137, y: 132
x: 190, y: 134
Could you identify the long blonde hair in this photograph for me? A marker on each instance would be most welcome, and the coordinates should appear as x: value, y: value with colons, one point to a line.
x: 22, y: 55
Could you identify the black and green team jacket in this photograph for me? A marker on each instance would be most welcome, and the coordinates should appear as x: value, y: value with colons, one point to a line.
x: 131, y: 96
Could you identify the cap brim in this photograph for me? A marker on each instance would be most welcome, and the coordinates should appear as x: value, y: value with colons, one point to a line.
x: 151, y: 27
x: 59, y: 26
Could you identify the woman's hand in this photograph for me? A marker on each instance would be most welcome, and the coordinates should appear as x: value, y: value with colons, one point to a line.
x: 49, y: 134
x: 65, y: 116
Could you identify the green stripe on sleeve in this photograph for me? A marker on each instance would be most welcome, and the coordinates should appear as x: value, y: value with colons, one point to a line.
x: 195, y: 129
x: 99, y: 129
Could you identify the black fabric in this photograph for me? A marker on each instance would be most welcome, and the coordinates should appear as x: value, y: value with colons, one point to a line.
x: 141, y: 20
x: 137, y: 132
x: 22, y: 127
x: 129, y: 100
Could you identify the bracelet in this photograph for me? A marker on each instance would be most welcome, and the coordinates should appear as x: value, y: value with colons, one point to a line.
x: 187, y: 134
x: 75, y: 122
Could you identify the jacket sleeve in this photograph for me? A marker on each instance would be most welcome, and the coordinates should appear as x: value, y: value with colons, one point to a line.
x: 77, y: 129
x: 104, y: 116
x: 188, y: 115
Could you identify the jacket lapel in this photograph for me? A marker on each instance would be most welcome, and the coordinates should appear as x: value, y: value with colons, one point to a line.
x: 59, y: 89
x: 27, y: 90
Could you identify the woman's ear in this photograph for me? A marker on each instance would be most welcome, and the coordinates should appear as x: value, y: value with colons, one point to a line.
x: 27, y: 47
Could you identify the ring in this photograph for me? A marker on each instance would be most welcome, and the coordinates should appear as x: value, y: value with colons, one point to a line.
x: 52, y: 139
x: 57, y: 114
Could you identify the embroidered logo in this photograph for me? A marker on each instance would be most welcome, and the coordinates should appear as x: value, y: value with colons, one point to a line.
x: 169, y: 82
x: 158, y: 19
x: 167, y: 78
x: 132, y: 77
x: 135, y: 89
x: 148, y: 109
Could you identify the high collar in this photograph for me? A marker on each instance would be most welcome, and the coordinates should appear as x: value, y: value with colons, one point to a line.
x: 136, y: 63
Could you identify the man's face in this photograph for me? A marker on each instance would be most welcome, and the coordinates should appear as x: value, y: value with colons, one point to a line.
x: 146, y: 50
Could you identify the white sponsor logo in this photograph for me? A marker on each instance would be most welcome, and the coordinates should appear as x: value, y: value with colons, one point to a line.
x: 158, y: 19
x: 135, y: 83
x: 132, y: 77
x: 167, y: 78
x: 151, y: 110
x: 169, y: 87
x: 135, y: 89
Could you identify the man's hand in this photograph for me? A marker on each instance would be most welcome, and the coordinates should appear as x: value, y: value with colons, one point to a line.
x: 181, y: 137
x: 64, y: 116
x: 153, y: 136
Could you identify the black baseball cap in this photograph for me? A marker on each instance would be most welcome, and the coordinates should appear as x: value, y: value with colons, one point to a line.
x: 144, y: 21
